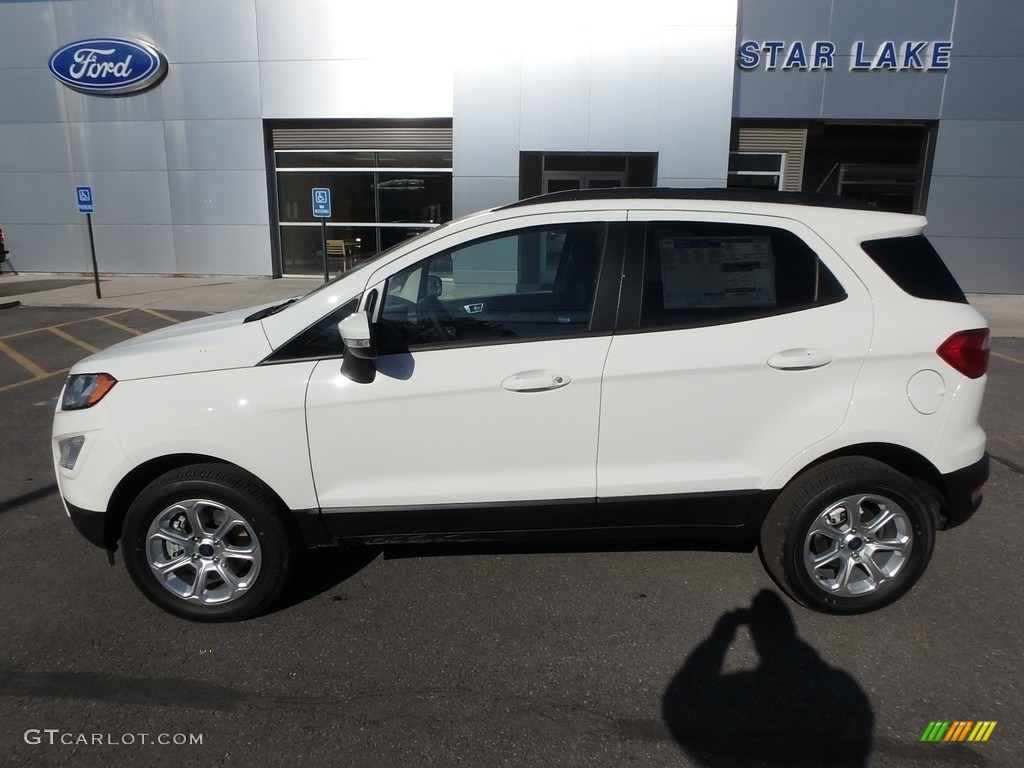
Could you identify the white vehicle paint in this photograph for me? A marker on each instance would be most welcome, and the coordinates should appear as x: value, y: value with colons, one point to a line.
x: 627, y: 363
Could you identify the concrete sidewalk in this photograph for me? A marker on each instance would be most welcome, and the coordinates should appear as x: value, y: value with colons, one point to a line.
x: 198, y: 294
x: 1005, y: 313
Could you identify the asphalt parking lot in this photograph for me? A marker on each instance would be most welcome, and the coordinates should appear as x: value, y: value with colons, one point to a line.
x: 529, y: 657
x: 30, y: 351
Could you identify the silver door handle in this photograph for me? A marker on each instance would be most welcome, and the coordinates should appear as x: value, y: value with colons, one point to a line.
x: 535, y: 381
x: 800, y: 359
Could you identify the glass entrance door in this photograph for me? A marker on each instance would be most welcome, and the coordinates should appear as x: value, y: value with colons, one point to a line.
x: 561, y: 181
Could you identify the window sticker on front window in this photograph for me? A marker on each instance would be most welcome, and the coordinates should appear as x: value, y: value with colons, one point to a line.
x: 727, y: 271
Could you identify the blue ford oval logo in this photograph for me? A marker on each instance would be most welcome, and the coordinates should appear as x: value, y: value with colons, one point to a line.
x: 108, y: 66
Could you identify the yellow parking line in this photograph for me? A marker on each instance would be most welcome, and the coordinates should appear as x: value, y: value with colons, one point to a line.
x: 1007, y: 357
x: 116, y: 324
x: 161, y: 315
x: 68, y: 337
x: 65, y: 325
x: 23, y: 361
x: 49, y: 375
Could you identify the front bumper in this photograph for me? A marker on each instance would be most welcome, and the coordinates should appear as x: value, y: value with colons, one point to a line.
x: 963, y: 491
x: 92, y: 525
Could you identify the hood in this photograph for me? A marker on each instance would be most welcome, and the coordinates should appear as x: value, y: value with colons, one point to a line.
x: 206, y: 344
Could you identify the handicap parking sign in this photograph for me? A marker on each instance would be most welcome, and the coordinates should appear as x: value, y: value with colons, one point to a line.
x: 84, y: 195
x: 321, y: 202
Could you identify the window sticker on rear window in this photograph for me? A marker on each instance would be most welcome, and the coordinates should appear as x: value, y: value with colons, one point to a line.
x: 717, y: 272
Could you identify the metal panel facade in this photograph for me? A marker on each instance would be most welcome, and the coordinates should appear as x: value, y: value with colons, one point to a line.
x: 977, y: 178
x: 696, y: 106
x: 180, y: 170
x: 190, y: 152
x: 839, y: 93
x: 660, y: 84
x: 978, y: 175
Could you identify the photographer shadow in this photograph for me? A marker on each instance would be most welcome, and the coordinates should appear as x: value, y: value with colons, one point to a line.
x: 792, y: 710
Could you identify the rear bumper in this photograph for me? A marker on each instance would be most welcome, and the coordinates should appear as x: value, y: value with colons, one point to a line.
x: 963, y: 491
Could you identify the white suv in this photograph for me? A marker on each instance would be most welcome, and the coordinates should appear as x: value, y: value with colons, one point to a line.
x: 787, y: 370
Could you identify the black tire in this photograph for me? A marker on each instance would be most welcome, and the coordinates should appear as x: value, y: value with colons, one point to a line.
x: 233, y: 567
x: 838, y: 566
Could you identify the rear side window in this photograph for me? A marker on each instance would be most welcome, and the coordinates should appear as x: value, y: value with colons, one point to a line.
x: 701, y: 273
x: 915, y: 266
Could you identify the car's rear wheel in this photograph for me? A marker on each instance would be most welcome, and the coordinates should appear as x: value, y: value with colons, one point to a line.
x: 848, y: 536
x: 207, y: 542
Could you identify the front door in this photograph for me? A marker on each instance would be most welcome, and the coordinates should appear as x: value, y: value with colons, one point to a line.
x: 483, y: 412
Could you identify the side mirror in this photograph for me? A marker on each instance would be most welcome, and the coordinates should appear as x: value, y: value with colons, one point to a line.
x: 357, y: 336
x: 360, y: 351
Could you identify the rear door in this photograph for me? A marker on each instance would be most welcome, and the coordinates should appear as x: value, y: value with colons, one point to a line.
x: 739, y: 345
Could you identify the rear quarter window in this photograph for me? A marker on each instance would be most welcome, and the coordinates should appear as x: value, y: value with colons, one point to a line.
x: 703, y: 273
x: 916, y: 267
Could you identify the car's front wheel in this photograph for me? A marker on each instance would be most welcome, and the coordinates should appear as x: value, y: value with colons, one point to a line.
x: 206, y: 542
x: 848, y: 536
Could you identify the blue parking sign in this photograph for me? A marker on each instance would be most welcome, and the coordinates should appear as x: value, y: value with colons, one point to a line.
x: 84, y: 195
x: 321, y: 202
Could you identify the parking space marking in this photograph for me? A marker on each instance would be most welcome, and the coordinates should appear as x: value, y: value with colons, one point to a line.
x: 161, y: 315
x: 49, y: 375
x: 1001, y: 356
x: 23, y: 361
x: 30, y: 331
x: 38, y: 373
x: 68, y: 337
x: 127, y: 329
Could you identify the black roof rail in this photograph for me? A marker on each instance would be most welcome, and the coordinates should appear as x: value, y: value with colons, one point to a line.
x: 708, y: 193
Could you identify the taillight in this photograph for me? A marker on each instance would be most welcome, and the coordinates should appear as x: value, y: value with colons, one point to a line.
x: 967, y: 351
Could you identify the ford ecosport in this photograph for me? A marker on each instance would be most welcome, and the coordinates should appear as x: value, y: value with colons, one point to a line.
x: 796, y: 372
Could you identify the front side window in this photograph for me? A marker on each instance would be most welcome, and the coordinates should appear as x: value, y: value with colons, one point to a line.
x: 701, y: 273
x: 536, y: 282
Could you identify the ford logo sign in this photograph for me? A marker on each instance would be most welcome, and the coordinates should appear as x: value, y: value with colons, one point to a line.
x: 108, y: 66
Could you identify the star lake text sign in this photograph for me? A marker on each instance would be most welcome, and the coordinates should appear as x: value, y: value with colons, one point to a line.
x: 911, y: 55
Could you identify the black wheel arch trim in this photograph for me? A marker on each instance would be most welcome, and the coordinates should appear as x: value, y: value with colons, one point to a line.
x: 963, y: 491
x: 958, y: 492
x: 132, y: 484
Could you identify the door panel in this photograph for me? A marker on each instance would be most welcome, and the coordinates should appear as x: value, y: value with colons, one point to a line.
x: 721, y: 405
x: 487, y: 385
x: 441, y: 426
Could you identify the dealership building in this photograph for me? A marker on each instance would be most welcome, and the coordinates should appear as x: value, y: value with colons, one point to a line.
x: 199, y: 129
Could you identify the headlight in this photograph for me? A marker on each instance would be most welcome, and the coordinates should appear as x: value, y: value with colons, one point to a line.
x: 84, y: 390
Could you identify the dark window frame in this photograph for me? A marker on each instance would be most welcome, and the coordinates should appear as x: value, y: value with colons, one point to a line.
x: 637, y: 278
x: 603, y: 305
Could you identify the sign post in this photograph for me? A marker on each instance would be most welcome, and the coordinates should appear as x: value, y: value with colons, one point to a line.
x: 322, y: 211
x: 84, y: 195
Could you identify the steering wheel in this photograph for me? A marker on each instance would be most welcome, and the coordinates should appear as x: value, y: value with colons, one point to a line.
x: 434, y: 309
